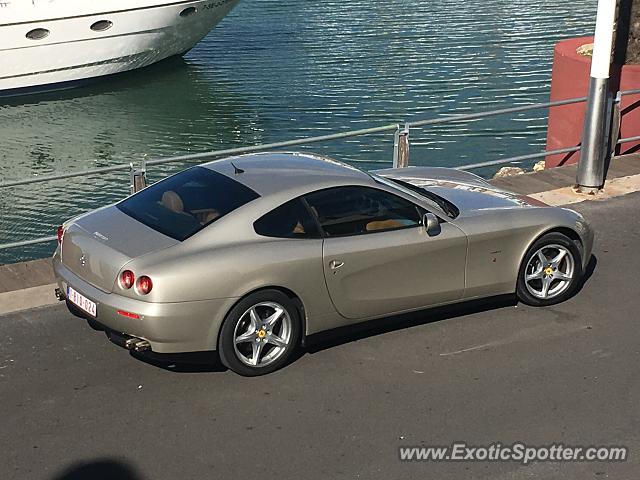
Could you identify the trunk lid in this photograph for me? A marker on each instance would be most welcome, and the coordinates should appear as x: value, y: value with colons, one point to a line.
x: 98, y: 245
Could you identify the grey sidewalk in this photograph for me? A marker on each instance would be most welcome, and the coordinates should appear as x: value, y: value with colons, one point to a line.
x: 565, y: 176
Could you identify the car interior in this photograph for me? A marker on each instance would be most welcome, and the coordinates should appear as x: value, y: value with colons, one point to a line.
x: 173, y: 202
x: 359, y: 210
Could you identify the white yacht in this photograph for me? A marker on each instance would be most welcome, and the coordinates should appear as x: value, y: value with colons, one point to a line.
x: 53, y: 44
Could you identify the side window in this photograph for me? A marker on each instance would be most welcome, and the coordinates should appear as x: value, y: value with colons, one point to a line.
x: 291, y: 220
x: 357, y: 210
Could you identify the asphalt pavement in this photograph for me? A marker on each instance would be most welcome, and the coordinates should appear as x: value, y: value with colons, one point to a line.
x: 75, y: 406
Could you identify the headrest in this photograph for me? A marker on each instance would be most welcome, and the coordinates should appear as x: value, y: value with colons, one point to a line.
x: 172, y: 201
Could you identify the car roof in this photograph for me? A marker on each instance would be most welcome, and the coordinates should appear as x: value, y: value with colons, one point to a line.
x: 284, y: 172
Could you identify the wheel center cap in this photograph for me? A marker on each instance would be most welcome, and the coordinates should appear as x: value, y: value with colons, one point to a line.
x: 262, y: 333
x: 548, y: 271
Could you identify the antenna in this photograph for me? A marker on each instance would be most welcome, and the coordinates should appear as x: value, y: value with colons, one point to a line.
x: 236, y: 170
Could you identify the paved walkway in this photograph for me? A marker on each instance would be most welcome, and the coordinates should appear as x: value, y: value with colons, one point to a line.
x: 481, y: 374
x: 562, y: 177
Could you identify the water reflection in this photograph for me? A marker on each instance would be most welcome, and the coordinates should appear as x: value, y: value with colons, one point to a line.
x: 162, y: 110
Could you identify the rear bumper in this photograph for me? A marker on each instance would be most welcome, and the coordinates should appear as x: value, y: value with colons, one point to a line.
x: 168, y: 327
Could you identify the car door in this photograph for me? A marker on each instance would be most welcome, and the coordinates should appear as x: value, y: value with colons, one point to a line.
x: 377, y: 256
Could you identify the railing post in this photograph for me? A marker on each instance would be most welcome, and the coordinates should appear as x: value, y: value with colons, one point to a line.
x: 616, y: 124
x: 401, y: 148
x: 138, y: 177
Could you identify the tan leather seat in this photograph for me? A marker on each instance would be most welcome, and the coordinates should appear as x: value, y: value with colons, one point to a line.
x: 206, y: 216
x: 383, y: 225
x: 299, y: 229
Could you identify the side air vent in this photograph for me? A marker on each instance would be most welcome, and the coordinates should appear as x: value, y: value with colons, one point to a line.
x: 38, y: 34
x: 188, y: 11
x: 101, y: 25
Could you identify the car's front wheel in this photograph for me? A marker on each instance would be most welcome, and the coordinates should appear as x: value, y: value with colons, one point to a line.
x: 550, y: 272
x: 260, y: 333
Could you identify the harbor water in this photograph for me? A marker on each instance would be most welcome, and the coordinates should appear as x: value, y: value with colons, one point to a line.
x: 277, y: 70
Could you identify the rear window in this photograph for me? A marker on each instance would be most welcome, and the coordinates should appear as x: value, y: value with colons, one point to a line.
x: 187, y: 202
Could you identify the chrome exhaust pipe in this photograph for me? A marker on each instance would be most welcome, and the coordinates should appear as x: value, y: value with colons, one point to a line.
x: 137, y: 344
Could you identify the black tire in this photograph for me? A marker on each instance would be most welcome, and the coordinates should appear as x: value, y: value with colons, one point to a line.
x: 565, y: 288
x: 238, y: 320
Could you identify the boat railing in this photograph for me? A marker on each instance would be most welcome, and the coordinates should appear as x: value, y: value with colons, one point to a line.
x: 137, y: 173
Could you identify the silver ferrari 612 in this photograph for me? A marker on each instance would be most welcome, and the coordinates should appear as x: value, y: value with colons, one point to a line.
x: 251, y: 254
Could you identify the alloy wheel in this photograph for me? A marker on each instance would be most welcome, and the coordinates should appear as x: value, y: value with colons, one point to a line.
x: 549, y: 271
x: 262, y: 334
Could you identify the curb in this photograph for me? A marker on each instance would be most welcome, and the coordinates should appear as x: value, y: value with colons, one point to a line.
x: 27, y: 298
x: 18, y: 276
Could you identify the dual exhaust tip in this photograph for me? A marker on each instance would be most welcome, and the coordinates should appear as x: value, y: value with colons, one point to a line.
x: 137, y: 344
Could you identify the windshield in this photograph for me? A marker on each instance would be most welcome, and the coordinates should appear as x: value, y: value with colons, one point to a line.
x: 431, y: 198
x: 187, y: 202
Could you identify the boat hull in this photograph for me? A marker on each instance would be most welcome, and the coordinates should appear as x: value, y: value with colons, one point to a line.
x: 72, y: 52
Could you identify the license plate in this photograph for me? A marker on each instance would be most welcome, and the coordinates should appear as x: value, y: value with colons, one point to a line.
x: 81, y: 301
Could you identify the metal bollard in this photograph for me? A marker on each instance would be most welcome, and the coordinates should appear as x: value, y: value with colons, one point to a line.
x: 401, y: 148
x: 138, y: 178
x: 595, y: 137
x: 599, y: 112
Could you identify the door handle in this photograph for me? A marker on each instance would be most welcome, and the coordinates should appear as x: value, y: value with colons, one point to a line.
x: 335, y: 264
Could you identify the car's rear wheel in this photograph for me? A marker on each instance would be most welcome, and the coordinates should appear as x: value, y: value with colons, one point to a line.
x: 260, y: 333
x: 550, y: 272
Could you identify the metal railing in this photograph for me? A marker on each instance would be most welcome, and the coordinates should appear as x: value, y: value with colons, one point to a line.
x: 401, y: 135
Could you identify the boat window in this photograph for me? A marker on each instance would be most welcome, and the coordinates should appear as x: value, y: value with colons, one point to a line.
x: 38, y: 34
x: 291, y: 220
x: 188, y: 11
x: 101, y: 25
x: 187, y: 202
x: 358, y: 210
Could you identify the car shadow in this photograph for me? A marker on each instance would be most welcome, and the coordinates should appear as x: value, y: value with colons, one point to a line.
x: 209, y: 362
x: 100, y: 469
x: 352, y: 333
x: 194, y: 362
x: 588, y: 272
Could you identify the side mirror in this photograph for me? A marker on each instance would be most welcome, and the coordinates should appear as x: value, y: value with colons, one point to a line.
x: 431, y: 224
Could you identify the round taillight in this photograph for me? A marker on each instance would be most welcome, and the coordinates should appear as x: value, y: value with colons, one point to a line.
x: 127, y: 279
x: 144, y: 285
x: 60, y: 233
